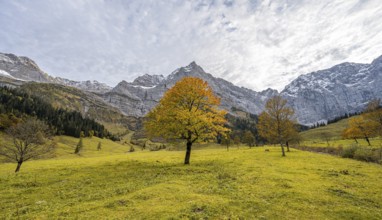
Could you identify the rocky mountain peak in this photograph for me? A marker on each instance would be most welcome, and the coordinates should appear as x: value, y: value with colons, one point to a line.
x: 269, y: 92
x: 377, y: 61
x: 148, y: 80
x: 193, y: 67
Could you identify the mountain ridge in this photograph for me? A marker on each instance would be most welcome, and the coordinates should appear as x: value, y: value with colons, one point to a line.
x: 316, y: 96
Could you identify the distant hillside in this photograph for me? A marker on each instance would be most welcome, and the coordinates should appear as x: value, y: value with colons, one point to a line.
x: 89, y: 104
x: 15, y: 103
x: 333, y: 131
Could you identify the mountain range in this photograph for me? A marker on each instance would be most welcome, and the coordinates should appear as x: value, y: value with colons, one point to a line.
x: 317, y: 96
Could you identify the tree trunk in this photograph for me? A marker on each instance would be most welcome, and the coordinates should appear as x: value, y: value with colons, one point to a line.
x: 282, y: 150
x: 368, y: 141
x: 287, y: 145
x: 18, y: 166
x: 188, y: 153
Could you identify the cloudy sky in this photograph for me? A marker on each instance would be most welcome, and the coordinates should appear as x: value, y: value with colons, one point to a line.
x: 256, y: 44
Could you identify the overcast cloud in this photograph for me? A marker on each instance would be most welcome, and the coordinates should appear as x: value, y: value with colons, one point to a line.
x: 255, y: 44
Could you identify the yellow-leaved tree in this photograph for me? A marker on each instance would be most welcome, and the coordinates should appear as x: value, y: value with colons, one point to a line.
x: 359, y: 127
x: 276, y: 122
x: 188, y: 111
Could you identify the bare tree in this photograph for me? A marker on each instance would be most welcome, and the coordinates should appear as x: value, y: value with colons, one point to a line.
x: 29, y: 142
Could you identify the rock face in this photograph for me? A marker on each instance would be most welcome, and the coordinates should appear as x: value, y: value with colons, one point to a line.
x: 148, y: 80
x: 342, y: 89
x: 138, y: 98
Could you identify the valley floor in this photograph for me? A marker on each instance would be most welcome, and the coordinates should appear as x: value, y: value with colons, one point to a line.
x: 240, y: 183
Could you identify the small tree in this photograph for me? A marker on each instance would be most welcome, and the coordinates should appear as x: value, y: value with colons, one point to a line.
x: 99, y: 146
x: 249, y: 139
x: 351, y: 133
x: 292, y: 136
x: 361, y: 128
x: 326, y: 136
x: 187, y: 111
x: 226, y: 140
x: 79, y: 146
x: 276, y: 121
x: 236, y: 140
x: 29, y: 142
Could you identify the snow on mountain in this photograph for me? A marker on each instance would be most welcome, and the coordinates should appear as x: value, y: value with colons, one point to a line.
x: 5, y: 73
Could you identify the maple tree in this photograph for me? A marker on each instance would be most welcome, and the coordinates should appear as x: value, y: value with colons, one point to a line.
x: 360, y: 127
x: 351, y: 133
x: 276, y: 122
x: 188, y: 111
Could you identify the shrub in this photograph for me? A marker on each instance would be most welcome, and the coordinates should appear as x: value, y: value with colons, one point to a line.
x: 348, y: 152
x: 366, y: 154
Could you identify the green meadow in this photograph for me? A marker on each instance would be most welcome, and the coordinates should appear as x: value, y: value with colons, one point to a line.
x: 241, y: 183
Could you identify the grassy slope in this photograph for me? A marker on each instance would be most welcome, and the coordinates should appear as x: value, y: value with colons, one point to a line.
x: 335, y: 131
x: 314, y: 138
x: 247, y: 183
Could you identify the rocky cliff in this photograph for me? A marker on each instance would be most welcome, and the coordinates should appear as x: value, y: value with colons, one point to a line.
x: 342, y: 89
